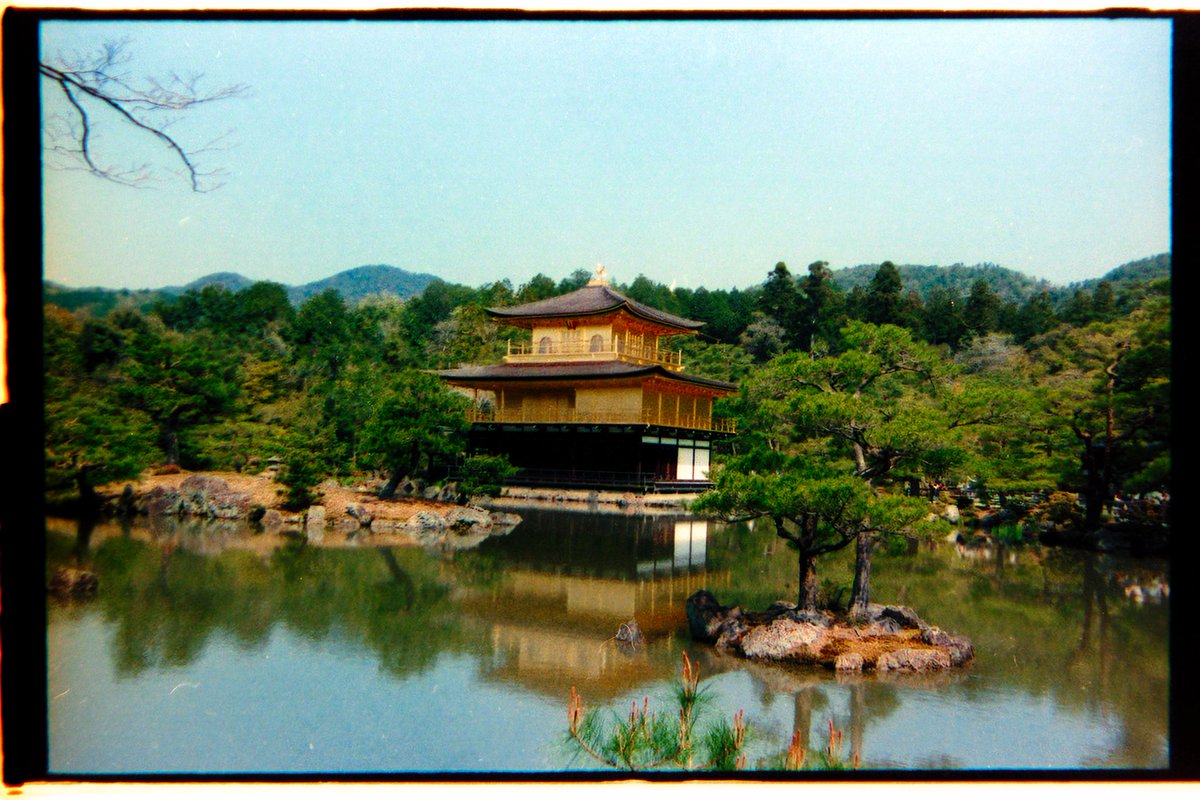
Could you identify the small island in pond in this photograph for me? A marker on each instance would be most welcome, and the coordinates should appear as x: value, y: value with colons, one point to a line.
x: 883, y: 638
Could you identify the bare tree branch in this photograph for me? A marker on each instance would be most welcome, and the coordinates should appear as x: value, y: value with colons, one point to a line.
x: 144, y: 105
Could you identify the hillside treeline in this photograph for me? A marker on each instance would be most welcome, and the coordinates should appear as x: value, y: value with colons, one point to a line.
x: 219, y: 379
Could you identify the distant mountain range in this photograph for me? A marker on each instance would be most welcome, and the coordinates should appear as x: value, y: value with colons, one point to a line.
x: 374, y: 279
x: 354, y: 285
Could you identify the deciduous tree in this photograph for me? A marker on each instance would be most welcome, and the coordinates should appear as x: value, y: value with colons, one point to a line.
x: 99, y: 88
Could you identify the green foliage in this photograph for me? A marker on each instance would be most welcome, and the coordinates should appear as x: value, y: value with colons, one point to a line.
x: 320, y: 334
x: 944, y: 320
x: 484, y: 475
x: 218, y: 376
x: 983, y: 308
x: 817, y: 429
x: 1105, y: 396
x: 763, y: 338
x: 780, y: 301
x: 466, y: 336
x: 878, y: 397
x: 822, y: 308
x: 311, y: 453
x: 417, y: 425
x: 539, y: 287
x: 177, y: 380
x: 814, y: 508
x: 1035, y: 318
x: 883, y: 303
x: 726, y: 362
x: 1008, y: 284
x: 234, y: 444
x: 91, y: 439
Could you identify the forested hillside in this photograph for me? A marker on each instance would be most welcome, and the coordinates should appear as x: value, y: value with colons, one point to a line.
x: 1007, y: 283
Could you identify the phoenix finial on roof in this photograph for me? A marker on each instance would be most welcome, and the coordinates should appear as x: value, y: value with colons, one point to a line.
x: 600, y: 278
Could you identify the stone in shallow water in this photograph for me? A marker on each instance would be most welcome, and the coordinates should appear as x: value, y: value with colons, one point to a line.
x: 630, y: 636
x: 912, y: 659
x: 849, y: 662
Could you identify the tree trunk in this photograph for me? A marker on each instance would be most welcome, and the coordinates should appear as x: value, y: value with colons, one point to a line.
x: 83, y: 538
x: 1096, y: 490
x: 1093, y: 500
x: 389, y: 490
x: 171, y: 445
x: 860, y: 458
x: 807, y: 599
x: 89, y: 502
x: 802, y: 712
x: 860, y: 595
x: 401, y: 578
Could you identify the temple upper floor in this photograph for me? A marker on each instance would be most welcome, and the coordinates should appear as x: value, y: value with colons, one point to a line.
x: 595, y: 323
x: 558, y: 344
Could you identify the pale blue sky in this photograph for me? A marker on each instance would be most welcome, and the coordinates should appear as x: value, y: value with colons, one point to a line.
x: 698, y: 153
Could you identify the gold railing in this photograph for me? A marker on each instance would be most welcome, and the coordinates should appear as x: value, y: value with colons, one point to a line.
x: 613, y: 348
x: 693, y: 421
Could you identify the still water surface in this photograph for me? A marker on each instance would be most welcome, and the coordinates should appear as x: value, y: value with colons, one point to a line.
x: 213, y: 648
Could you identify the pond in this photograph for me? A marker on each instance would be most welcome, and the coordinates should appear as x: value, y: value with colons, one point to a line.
x: 215, y: 648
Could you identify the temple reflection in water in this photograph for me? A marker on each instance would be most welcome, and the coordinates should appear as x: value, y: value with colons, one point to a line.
x: 571, y: 580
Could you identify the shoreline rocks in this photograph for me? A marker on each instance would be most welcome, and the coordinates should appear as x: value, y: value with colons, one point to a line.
x: 884, y: 639
x: 254, y: 498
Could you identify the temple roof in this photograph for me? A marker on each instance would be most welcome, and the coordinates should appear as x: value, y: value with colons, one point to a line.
x: 586, y: 371
x: 591, y: 300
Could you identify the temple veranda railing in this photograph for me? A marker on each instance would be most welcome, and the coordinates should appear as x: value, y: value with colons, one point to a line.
x: 571, y: 416
x: 533, y: 352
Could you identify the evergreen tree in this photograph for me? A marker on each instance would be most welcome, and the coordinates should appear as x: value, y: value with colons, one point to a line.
x: 856, y: 304
x: 763, y: 338
x: 983, y: 309
x: 177, y: 380
x: 417, y: 425
x: 576, y: 280
x: 780, y: 301
x: 943, y: 321
x: 877, y: 402
x: 1078, y: 309
x: 822, y: 307
x: 320, y: 334
x: 884, y: 303
x: 90, y: 438
x: 1106, y: 392
x: 1104, y: 302
x: 1035, y: 318
x: 539, y: 287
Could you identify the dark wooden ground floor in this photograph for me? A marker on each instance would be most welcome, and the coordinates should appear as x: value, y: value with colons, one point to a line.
x: 644, y: 458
